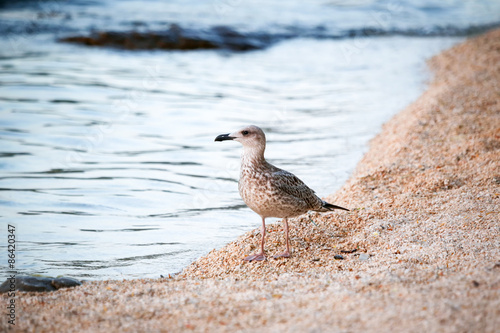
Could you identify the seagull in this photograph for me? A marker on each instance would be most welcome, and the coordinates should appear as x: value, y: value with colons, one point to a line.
x: 270, y: 191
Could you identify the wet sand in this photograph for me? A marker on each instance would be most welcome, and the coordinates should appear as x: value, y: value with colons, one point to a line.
x: 420, y: 248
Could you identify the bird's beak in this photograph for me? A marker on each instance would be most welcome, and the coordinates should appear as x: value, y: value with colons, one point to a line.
x: 224, y: 137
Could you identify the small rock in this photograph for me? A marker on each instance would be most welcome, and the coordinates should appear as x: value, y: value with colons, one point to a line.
x: 338, y: 257
x: 65, y: 282
x: 37, y: 283
x: 364, y: 256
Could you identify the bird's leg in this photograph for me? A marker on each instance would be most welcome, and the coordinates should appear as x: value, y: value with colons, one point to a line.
x: 261, y: 255
x: 285, y: 254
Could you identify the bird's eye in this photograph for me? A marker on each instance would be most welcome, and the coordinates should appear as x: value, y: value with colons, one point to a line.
x: 244, y: 132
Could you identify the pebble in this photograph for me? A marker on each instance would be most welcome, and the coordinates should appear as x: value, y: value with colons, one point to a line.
x: 364, y: 256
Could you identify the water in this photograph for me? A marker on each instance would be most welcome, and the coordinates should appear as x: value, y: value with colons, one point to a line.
x: 108, y: 167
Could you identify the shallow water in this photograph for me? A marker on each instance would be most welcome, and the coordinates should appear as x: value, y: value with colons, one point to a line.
x: 108, y: 168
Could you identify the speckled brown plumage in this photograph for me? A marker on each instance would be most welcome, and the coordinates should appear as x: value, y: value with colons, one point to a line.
x: 270, y: 191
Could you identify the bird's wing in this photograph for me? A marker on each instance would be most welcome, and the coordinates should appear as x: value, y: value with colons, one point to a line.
x: 290, y: 184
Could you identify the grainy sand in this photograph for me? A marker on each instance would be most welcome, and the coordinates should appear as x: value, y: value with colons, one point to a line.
x: 425, y: 226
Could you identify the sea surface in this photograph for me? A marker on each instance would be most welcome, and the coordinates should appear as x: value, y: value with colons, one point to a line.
x: 108, y: 165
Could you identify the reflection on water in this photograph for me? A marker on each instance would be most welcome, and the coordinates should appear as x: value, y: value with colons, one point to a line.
x: 107, y: 160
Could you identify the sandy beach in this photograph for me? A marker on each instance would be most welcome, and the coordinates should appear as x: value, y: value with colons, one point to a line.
x: 420, y: 247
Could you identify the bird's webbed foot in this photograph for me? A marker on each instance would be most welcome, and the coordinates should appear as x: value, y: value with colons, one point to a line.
x: 256, y: 257
x: 283, y: 255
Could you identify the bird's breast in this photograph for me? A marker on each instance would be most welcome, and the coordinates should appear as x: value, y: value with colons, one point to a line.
x: 259, y: 194
x: 253, y: 185
x: 254, y: 189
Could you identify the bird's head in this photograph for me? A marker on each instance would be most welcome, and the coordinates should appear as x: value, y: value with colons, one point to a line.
x: 249, y: 136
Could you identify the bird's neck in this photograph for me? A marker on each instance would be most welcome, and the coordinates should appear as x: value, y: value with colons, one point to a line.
x: 252, y: 156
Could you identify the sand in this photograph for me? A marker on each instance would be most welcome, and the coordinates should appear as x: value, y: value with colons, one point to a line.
x: 421, y: 246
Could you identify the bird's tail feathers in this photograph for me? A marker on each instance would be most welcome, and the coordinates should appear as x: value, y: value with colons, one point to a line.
x: 329, y: 206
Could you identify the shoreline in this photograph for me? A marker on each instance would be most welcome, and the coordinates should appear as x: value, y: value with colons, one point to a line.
x: 425, y: 202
